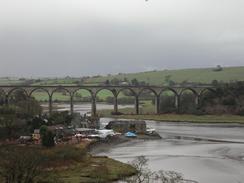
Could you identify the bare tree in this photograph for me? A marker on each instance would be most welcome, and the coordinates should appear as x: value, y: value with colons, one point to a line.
x: 19, y: 164
x: 170, y: 177
x: 8, y: 119
x: 145, y: 175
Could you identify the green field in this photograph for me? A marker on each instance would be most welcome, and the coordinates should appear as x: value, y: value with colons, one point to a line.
x: 42, y: 96
x: 10, y: 81
x: 188, y: 118
x: 147, y: 114
x: 70, y: 164
x: 203, y: 75
x: 60, y: 81
x: 197, y: 75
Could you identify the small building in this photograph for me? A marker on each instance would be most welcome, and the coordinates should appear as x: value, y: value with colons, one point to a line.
x: 85, y: 131
x: 55, y: 128
x: 36, y: 135
x: 127, y: 126
x: 124, y: 83
x: 105, y: 133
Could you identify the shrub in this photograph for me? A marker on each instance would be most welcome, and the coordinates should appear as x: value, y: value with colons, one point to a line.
x: 20, y: 165
x: 48, y: 139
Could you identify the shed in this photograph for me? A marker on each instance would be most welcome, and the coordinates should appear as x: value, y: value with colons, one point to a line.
x: 127, y: 126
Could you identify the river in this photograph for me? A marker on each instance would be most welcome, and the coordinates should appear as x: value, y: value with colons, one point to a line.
x: 207, y: 153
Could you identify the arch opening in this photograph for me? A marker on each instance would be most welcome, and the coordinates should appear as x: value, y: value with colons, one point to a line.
x: 82, y: 99
x: 105, y: 102
x: 209, y: 100
x: 2, y: 97
x: 41, y: 96
x: 168, y: 101
x: 147, y: 102
x: 189, y: 101
x: 60, y: 99
x: 24, y: 104
x: 126, y: 101
x: 17, y: 92
x: 127, y: 91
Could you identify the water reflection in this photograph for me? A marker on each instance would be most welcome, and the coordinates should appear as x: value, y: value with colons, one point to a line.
x: 191, y: 153
x: 203, y: 161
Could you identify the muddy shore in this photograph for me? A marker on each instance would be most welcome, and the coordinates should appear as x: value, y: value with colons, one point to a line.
x: 103, y: 145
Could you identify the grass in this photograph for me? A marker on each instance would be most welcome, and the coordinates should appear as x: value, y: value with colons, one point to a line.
x: 87, y: 169
x: 196, y: 75
x: 188, y: 118
x: 130, y: 114
x: 10, y: 81
x: 42, y: 96
x: 202, y: 75
x: 147, y: 112
x: 145, y: 107
x: 58, y: 81
x: 71, y: 164
x: 96, y: 169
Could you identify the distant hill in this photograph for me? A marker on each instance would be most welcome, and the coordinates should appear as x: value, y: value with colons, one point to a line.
x: 202, y: 75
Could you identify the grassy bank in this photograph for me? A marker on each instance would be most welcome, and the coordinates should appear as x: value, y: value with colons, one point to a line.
x: 96, y: 169
x: 196, y: 75
x: 176, y: 117
x: 67, y: 164
x: 203, y: 75
x: 43, y: 96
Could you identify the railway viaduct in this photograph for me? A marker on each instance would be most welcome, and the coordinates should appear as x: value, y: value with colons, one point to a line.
x: 93, y: 90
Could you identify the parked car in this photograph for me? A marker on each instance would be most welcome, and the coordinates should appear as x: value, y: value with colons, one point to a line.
x: 25, y: 139
x: 105, y: 133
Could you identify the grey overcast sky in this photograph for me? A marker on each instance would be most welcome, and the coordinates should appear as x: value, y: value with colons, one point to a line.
x: 88, y: 37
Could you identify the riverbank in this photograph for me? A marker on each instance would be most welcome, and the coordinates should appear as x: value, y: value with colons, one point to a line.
x: 68, y: 164
x: 103, y: 145
x: 181, y: 118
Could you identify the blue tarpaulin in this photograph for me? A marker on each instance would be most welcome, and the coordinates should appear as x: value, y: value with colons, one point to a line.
x: 130, y: 134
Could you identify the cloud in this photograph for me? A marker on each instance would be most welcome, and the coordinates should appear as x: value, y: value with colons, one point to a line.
x: 69, y: 37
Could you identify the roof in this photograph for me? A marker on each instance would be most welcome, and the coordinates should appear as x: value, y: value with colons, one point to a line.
x: 127, y: 122
x: 84, y: 129
x: 130, y: 134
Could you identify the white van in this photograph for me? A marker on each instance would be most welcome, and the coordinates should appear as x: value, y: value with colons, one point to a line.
x: 105, y: 133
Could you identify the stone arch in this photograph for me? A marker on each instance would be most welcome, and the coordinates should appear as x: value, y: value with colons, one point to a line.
x: 168, y: 89
x: 201, y: 95
x: 113, y: 91
x: 21, y: 99
x: 2, y: 96
x: 76, y: 90
x: 205, y: 90
x: 172, y: 105
x: 2, y: 91
x: 51, y: 97
x: 16, y: 89
x: 154, y: 99
x: 60, y: 89
x: 133, y: 94
x: 113, y: 101
x: 149, y: 89
x: 90, y: 99
x: 188, y: 89
x: 127, y: 88
x: 39, y: 88
x: 195, y: 100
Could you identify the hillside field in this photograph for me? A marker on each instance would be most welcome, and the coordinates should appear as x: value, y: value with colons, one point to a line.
x: 203, y: 75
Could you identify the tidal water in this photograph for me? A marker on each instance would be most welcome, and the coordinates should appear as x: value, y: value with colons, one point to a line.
x: 207, y: 153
